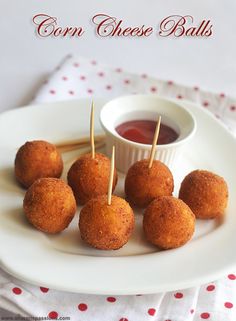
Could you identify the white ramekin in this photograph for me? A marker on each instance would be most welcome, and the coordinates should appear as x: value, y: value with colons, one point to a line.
x: 145, y: 107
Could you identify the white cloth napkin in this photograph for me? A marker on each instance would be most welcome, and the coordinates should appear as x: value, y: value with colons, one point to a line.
x: 77, y: 77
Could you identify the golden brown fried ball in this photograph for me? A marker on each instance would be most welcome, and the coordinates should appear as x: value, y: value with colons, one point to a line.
x: 89, y: 177
x: 49, y: 205
x: 143, y: 184
x: 106, y: 227
x: 205, y: 193
x: 37, y: 159
x: 168, y: 222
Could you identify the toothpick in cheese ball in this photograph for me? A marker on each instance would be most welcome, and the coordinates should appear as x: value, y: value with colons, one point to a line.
x: 148, y: 178
x: 107, y: 221
x: 89, y: 175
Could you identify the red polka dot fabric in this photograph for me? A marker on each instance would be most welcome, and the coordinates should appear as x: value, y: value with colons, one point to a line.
x: 214, y: 301
x: 77, y: 78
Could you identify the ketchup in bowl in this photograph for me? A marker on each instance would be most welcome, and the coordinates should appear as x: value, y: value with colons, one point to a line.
x: 142, y: 131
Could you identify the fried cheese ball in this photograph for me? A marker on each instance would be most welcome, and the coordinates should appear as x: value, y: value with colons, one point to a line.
x: 89, y: 177
x: 168, y: 222
x: 49, y: 205
x: 143, y: 184
x: 205, y: 193
x: 106, y: 227
x: 37, y: 159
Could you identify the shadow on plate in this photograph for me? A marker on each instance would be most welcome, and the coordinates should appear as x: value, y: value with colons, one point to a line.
x: 15, y: 220
x: 69, y: 241
x: 205, y: 227
x: 8, y: 182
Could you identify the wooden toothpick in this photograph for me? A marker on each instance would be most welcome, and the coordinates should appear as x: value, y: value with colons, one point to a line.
x: 109, y: 194
x: 92, y: 130
x: 78, y: 144
x: 155, y: 138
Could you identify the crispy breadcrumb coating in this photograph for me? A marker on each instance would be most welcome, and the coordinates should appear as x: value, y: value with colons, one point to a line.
x: 106, y: 227
x: 89, y: 177
x: 205, y: 193
x: 37, y: 159
x: 168, y: 222
x: 143, y: 184
x: 49, y: 205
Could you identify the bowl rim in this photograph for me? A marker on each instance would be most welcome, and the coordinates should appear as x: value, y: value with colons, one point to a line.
x: 174, y: 144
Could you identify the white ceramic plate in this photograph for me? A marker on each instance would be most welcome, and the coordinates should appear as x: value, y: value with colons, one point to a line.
x: 64, y: 262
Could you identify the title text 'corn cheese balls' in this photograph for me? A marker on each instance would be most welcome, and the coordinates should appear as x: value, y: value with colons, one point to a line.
x: 37, y: 159
x: 106, y: 227
x: 205, y: 193
x: 49, y: 205
x: 168, y: 222
x: 144, y: 184
x: 89, y: 177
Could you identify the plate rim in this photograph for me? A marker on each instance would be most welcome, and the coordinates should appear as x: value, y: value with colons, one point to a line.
x: 194, y: 283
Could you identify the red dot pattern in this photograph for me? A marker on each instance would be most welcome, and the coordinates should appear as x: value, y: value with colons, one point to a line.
x: 110, y: 88
x: 111, y: 299
x: 228, y: 305
x: 82, y: 307
x: 152, y: 311
x: 44, y: 290
x: 17, y: 291
x: 205, y: 315
x: 205, y: 103
x: 53, y: 315
x: 210, y: 288
x: 178, y: 295
x: 153, y: 89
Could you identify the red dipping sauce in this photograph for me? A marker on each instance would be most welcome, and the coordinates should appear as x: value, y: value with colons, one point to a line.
x: 142, y: 131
